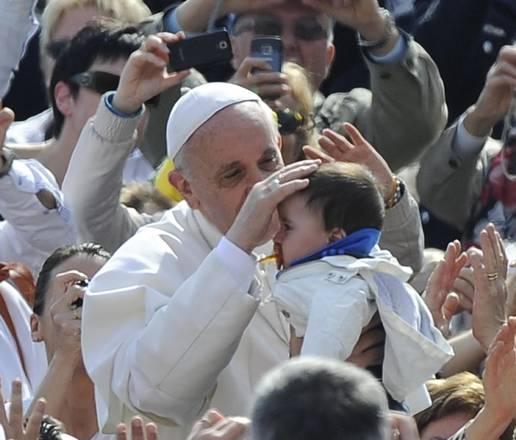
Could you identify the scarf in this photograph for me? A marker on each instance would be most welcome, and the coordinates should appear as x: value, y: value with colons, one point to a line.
x: 358, y: 244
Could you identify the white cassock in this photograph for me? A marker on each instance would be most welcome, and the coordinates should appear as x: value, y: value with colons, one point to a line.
x: 169, y: 328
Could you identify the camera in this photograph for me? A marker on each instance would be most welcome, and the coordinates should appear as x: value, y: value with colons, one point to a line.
x: 269, y: 49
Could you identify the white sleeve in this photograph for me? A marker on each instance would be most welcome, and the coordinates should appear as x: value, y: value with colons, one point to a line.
x: 338, y: 314
x: 17, y: 25
x: 154, y: 342
x: 465, y: 145
x: 31, y: 232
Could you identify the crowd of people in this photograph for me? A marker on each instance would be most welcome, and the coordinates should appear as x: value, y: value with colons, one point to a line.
x: 236, y: 252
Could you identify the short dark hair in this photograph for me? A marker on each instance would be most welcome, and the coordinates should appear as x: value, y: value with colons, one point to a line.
x: 314, y: 399
x: 102, y: 40
x: 60, y: 255
x: 347, y: 195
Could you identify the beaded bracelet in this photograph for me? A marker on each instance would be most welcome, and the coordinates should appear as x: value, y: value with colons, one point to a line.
x: 396, y: 196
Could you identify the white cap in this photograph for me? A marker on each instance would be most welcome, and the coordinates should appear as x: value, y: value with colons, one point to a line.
x: 197, y: 106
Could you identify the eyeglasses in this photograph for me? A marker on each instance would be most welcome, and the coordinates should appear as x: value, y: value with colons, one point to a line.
x: 305, y: 28
x: 55, y: 48
x: 289, y: 121
x: 102, y: 82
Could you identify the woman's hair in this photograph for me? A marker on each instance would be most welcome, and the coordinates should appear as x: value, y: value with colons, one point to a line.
x: 461, y: 393
x: 59, y: 256
x: 346, y: 195
x: 127, y: 11
x: 302, y: 93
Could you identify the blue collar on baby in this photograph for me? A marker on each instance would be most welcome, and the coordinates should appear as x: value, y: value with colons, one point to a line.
x: 358, y: 244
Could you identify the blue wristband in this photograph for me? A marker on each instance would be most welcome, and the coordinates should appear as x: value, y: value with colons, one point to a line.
x: 108, y: 100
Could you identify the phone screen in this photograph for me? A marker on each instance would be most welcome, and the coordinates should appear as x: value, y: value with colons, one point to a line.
x: 269, y: 49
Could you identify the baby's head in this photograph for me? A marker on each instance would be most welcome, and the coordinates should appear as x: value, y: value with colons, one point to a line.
x: 340, y: 199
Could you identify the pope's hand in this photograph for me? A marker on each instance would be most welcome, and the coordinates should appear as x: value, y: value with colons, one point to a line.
x: 258, y: 221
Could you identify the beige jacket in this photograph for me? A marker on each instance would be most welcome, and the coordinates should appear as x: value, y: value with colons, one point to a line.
x: 449, y: 186
x: 106, y: 141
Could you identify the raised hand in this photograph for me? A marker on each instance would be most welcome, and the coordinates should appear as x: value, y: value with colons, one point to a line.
x: 490, y: 272
x: 138, y: 430
x: 6, y: 118
x: 214, y: 426
x: 266, y: 83
x: 66, y: 315
x: 145, y: 75
x: 495, y: 98
x: 362, y: 15
x: 357, y: 150
x: 14, y: 426
x: 438, y: 295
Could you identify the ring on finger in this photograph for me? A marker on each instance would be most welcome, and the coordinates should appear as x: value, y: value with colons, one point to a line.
x: 396, y: 434
x: 492, y: 276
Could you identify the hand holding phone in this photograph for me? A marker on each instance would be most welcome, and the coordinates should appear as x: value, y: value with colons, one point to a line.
x: 201, y: 50
x: 269, y: 49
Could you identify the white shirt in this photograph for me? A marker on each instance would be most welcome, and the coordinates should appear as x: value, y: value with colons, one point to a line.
x: 31, y: 232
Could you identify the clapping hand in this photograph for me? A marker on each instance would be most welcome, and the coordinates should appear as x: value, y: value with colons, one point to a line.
x: 442, y: 302
x: 214, y: 426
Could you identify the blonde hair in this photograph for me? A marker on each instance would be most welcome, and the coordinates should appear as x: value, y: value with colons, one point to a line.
x: 126, y: 11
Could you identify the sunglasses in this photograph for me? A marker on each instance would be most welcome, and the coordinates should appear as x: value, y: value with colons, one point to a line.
x: 55, y: 48
x: 305, y: 28
x: 102, y: 82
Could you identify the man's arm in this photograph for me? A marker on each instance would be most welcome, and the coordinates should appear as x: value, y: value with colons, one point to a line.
x: 94, y: 196
x: 454, y: 169
x: 407, y: 110
x: 17, y: 25
x: 106, y: 142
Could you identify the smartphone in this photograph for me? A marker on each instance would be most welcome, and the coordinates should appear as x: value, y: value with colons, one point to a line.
x: 201, y: 50
x: 270, y: 49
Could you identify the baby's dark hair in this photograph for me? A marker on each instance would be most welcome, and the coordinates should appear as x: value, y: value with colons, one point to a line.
x: 347, y: 195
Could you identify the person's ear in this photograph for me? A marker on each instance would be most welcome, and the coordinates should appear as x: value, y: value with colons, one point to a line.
x: 36, y: 329
x: 336, y: 234
x: 179, y: 181
x: 280, y: 142
x: 330, y: 56
x: 64, y: 98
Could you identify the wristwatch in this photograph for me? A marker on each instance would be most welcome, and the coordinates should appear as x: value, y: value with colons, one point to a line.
x: 8, y: 156
x: 390, y: 29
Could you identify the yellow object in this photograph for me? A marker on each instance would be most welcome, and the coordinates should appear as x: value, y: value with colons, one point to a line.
x: 162, y: 184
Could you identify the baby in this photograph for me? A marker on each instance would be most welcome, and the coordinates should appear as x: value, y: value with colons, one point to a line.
x: 334, y: 278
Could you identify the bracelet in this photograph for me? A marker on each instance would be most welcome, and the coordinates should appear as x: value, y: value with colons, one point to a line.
x: 390, y: 27
x: 397, y: 193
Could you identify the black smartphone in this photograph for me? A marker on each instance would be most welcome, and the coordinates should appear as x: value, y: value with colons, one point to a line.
x: 270, y: 49
x: 201, y: 50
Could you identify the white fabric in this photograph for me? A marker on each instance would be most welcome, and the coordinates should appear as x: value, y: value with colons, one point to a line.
x: 30, y: 131
x: 465, y: 145
x: 31, y: 232
x: 34, y: 353
x: 137, y: 168
x: 167, y: 331
x: 17, y: 25
x: 330, y: 301
x: 197, y: 106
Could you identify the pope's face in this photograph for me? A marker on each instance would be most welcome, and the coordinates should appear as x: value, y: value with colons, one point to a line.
x: 235, y: 149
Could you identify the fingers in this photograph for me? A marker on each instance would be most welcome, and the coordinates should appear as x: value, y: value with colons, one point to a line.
x: 16, y: 410
x: 231, y: 428
x: 121, y: 432
x: 404, y: 424
x: 314, y: 153
x: 151, y: 431
x: 3, y: 415
x: 36, y: 417
x: 6, y: 118
x: 137, y: 429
